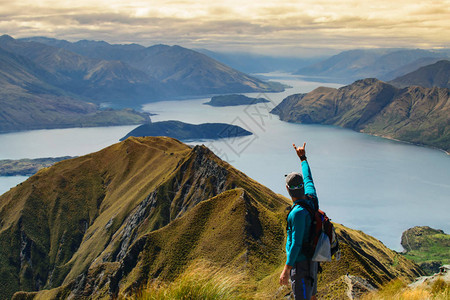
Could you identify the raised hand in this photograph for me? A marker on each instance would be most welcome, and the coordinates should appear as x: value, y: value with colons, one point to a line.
x: 301, y: 152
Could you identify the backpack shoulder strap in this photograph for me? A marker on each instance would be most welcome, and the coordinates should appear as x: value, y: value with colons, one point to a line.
x: 292, y: 208
x: 307, y: 207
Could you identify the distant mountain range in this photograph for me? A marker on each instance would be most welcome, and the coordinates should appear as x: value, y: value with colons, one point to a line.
x: 434, y: 75
x: 414, y: 114
x: 384, y: 64
x: 46, y: 83
x: 257, y: 63
x: 28, y: 101
x: 144, y: 74
x: 107, y: 224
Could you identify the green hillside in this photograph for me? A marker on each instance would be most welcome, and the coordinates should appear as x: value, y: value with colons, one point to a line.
x: 109, y: 223
x: 428, y: 247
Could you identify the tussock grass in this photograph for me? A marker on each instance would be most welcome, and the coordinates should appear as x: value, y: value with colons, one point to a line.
x: 201, y: 281
x: 398, y: 290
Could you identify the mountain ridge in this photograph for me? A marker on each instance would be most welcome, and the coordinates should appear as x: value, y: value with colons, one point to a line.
x: 105, y: 224
x: 413, y: 114
x: 434, y: 75
x: 351, y: 65
x: 45, y: 86
x: 180, y: 71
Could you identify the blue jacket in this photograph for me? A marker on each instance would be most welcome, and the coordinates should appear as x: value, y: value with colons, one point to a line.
x: 299, y: 221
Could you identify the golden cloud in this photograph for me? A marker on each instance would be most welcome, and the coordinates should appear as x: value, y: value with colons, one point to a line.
x: 201, y: 23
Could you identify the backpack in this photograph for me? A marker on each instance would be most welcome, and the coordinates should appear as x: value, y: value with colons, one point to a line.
x: 323, y: 243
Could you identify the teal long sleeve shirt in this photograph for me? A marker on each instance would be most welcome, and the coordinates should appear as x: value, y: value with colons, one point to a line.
x: 299, y: 221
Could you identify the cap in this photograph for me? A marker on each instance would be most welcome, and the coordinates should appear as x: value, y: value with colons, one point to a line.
x: 294, y: 181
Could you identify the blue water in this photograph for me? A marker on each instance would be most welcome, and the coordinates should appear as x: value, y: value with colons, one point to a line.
x: 379, y: 186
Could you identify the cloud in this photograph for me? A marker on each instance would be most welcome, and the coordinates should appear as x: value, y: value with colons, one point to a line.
x: 266, y: 25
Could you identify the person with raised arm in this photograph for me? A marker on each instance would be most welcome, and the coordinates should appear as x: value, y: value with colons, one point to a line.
x: 299, y: 267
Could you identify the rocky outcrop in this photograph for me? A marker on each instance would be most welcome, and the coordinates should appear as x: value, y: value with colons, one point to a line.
x: 428, y: 247
x: 442, y: 274
x: 415, y: 238
x: 357, y: 286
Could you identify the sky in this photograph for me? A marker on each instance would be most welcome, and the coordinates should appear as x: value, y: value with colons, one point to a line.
x: 284, y: 28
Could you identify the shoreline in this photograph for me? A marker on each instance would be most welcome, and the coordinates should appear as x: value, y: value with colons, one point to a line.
x: 406, y: 142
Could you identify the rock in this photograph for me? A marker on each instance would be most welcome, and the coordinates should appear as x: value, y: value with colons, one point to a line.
x: 412, y: 239
x: 357, y: 286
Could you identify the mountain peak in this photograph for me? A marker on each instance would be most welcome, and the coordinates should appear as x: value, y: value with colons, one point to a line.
x: 6, y: 37
x: 107, y: 223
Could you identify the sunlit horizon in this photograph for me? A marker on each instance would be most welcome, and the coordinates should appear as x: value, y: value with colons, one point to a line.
x: 290, y: 28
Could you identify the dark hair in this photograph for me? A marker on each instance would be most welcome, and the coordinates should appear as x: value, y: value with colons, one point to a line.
x: 296, y: 193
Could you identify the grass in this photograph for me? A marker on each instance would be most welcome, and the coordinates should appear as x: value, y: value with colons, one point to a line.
x: 437, y: 248
x: 428, y: 247
x: 201, y: 281
x: 77, y: 213
x: 398, y: 290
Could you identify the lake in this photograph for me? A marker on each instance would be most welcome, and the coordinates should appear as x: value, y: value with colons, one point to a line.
x: 379, y: 186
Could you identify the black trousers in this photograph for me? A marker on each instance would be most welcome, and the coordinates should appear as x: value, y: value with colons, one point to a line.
x: 304, y: 279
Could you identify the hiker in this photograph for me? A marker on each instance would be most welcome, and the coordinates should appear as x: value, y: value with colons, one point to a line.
x: 300, y: 268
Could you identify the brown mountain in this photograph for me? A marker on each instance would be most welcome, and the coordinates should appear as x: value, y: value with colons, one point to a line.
x: 50, y: 86
x: 95, y: 80
x: 106, y: 224
x: 178, y: 71
x: 434, y: 75
x: 28, y: 101
x: 413, y: 114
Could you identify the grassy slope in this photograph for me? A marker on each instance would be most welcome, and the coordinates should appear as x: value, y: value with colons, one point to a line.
x: 436, y: 249
x: 152, y: 207
x: 54, y: 207
x: 427, y: 247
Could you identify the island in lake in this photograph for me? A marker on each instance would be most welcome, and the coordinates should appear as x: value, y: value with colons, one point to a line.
x: 234, y: 100
x: 185, y: 131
